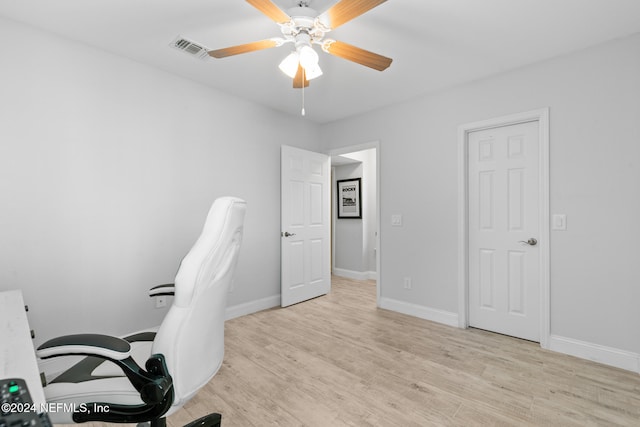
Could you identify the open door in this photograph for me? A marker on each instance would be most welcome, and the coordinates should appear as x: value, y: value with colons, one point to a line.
x: 305, y: 225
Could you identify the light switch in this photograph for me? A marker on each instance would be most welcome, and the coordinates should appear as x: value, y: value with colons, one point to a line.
x: 559, y: 222
x: 396, y: 220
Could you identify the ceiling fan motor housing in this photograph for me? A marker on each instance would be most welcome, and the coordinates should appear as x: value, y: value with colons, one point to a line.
x: 303, y: 21
x: 303, y: 16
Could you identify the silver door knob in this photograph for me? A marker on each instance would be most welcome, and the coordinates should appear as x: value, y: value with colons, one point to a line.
x: 531, y: 242
x: 287, y: 234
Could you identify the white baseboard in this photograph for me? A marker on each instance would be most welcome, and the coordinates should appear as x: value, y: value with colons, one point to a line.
x: 355, y: 275
x: 435, y: 315
x: 252, y: 307
x: 598, y: 353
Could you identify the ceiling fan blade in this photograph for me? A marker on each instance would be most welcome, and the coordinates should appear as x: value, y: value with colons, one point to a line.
x: 345, y: 11
x: 355, y: 54
x: 243, y: 48
x: 271, y: 10
x: 297, y: 80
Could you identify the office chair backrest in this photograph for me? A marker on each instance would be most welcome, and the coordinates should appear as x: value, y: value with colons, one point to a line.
x: 191, y: 336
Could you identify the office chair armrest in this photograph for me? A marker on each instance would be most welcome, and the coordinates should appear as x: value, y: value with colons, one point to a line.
x: 167, y: 289
x: 103, y: 346
x: 154, y: 384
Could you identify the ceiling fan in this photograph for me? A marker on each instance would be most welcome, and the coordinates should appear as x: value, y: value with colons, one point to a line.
x: 304, y: 27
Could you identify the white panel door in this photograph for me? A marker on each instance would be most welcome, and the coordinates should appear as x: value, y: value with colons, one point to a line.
x: 504, y: 265
x: 305, y: 232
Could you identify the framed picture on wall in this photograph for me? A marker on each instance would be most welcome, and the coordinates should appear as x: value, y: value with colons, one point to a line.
x: 349, y: 198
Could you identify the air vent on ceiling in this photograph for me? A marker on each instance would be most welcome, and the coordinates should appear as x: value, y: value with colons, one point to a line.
x: 190, y: 47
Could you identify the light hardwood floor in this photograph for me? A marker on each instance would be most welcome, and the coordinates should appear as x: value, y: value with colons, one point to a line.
x: 338, y: 360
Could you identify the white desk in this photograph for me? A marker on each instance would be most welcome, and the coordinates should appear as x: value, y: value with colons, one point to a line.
x: 17, y: 355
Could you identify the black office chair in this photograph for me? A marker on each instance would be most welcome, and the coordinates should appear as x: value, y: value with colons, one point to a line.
x: 181, y: 357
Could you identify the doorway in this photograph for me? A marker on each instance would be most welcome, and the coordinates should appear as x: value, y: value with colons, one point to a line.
x: 356, y: 241
x: 504, y: 201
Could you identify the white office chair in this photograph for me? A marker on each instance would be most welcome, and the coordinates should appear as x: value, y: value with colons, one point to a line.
x: 178, y: 359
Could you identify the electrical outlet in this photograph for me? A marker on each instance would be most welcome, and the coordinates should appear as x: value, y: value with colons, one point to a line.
x: 407, y: 282
x: 161, y: 301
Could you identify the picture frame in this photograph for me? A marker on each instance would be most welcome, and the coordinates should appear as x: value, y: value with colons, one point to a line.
x: 349, y: 198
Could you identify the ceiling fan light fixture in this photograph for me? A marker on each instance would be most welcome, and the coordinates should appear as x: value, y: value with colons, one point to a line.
x: 308, y: 57
x: 289, y: 65
x: 312, y: 73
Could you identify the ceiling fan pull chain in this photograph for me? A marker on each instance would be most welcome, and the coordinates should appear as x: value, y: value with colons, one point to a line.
x: 304, y: 77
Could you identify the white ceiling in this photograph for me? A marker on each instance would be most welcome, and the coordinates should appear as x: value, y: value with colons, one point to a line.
x: 435, y: 44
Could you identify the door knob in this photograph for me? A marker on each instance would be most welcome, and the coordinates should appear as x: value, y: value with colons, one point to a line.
x: 287, y: 234
x: 531, y: 242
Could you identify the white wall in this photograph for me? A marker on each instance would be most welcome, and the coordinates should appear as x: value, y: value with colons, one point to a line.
x: 107, y: 170
x: 594, y: 105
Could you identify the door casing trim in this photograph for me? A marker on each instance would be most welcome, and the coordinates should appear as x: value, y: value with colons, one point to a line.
x: 542, y: 117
